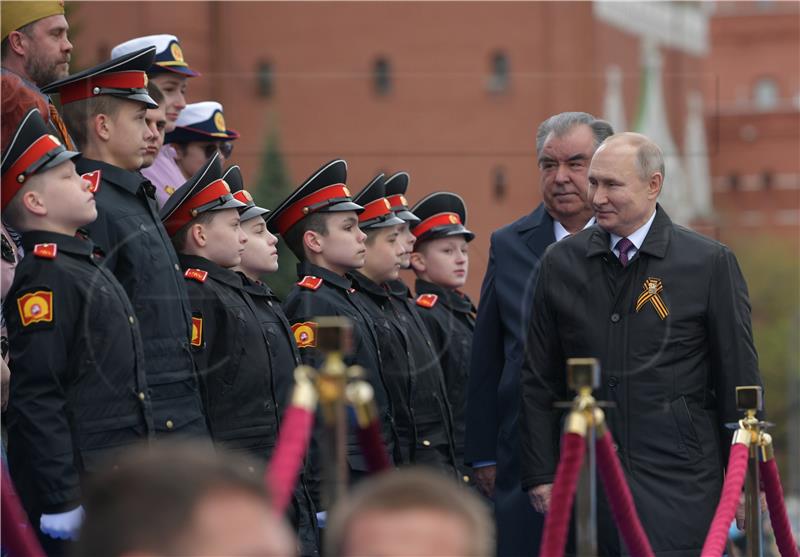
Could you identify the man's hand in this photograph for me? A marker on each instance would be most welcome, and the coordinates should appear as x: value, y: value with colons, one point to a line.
x: 484, y: 479
x: 540, y: 497
x: 741, y: 513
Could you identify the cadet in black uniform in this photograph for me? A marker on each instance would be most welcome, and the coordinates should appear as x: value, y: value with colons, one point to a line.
x: 382, y: 263
x: 260, y: 256
x: 415, y: 388
x: 396, y: 186
x: 319, y: 223
x: 78, y: 391
x: 128, y: 229
x: 440, y: 261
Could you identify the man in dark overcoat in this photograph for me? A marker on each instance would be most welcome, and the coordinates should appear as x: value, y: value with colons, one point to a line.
x: 666, y: 312
x: 565, y: 144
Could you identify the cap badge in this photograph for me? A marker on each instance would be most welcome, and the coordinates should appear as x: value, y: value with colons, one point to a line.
x: 176, y: 52
x: 219, y: 121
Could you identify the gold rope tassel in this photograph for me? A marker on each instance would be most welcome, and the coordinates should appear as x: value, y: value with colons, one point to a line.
x: 652, y: 289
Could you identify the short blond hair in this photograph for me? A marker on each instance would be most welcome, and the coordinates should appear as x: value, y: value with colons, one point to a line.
x: 412, y: 488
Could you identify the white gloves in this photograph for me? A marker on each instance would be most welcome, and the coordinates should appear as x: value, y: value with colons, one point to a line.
x: 63, y: 526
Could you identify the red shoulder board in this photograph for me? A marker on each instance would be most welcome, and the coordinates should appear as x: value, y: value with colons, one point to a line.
x: 45, y: 251
x: 312, y: 283
x: 427, y: 300
x: 196, y: 274
x: 94, y: 179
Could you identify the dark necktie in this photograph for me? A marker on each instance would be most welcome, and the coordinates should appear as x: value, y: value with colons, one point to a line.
x: 623, y: 246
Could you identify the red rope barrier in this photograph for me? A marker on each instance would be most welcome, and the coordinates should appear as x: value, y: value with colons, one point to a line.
x: 283, y: 470
x: 620, y: 499
x: 371, y: 441
x: 16, y: 532
x: 726, y: 508
x: 556, y: 523
x: 777, y: 509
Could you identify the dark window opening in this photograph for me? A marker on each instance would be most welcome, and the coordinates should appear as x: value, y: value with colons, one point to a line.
x: 265, y: 79
x: 382, y: 76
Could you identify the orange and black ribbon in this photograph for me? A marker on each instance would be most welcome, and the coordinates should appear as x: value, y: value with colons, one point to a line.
x: 652, y: 289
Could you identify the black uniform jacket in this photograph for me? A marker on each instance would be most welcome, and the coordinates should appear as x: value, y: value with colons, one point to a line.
x: 140, y: 254
x: 78, y: 391
x: 233, y: 358
x: 396, y: 362
x: 432, y: 414
x: 671, y: 377
x: 334, y: 297
x: 284, y: 357
x: 450, y: 319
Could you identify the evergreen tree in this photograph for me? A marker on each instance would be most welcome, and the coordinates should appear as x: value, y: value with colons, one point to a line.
x: 273, y: 186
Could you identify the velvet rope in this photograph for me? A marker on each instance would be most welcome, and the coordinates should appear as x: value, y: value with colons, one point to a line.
x: 17, y: 533
x: 726, y: 508
x: 372, y: 446
x: 556, y: 523
x: 777, y: 509
x: 620, y: 499
x: 284, y: 468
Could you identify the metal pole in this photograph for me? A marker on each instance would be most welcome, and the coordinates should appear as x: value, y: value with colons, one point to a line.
x: 586, y: 500
x: 752, y: 496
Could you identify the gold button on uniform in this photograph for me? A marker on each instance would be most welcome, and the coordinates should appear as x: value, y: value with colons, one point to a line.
x: 426, y: 443
x: 141, y: 396
x: 170, y: 425
x: 465, y: 478
x: 130, y: 318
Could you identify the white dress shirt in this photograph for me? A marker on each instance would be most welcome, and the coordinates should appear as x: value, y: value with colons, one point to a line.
x: 560, y: 232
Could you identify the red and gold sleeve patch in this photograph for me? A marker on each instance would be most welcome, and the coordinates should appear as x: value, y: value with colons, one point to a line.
x: 196, y: 274
x: 36, y: 306
x: 197, y: 330
x: 305, y: 334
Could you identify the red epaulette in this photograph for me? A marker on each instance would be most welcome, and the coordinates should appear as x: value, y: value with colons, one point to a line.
x: 94, y: 179
x: 45, y: 251
x: 310, y: 282
x: 427, y: 300
x: 196, y: 274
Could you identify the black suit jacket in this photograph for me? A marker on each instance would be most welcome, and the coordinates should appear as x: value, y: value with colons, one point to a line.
x: 498, y: 347
x: 672, y: 380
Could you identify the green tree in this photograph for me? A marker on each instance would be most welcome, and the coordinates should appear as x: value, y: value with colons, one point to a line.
x: 772, y: 271
x: 272, y: 187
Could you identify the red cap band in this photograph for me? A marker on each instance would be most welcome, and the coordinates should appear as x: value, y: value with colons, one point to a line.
x: 398, y: 202
x: 440, y: 219
x: 84, y: 88
x: 375, y: 209
x: 185, y: 212
x: 302, y: 207
x: 14, y: 178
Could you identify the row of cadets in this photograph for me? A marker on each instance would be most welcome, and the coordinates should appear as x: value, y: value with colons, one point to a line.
x: 242, y: 344
x: 104, y: 108
x: 171, y: 73
x: 411, y: 369
x: 78, y: 391
x: 319, y: 223
x: 441, y: 263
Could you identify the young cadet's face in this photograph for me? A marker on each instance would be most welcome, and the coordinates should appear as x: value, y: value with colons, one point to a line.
x: 384, y: 254
x: 343, y: 246
x: 225, y: 239
x: 174, y: 88
x: 444, y: 261
x: 67, y: 198
x: 156, y: 121
x: 128, y: 136
x: 260, y: 254
x: 407, y: 239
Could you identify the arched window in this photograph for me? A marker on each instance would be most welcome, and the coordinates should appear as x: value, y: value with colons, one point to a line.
x: 499, y: 185
x: 265, y: 79
x: 382, y: 76
x: 765, y: 93
x: 499, y: 77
